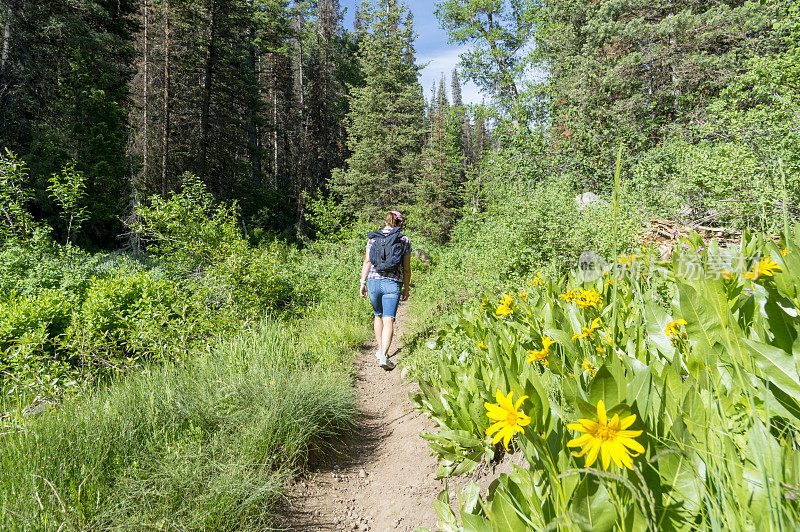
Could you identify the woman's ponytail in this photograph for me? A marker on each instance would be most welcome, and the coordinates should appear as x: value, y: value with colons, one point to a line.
x: 394, y: 219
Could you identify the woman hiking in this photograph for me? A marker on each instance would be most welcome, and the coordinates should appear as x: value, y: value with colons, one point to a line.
x: 386, y: 274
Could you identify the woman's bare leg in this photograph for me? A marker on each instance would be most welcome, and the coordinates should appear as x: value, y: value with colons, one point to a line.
x: 388, y: 331
x: 377, y: 325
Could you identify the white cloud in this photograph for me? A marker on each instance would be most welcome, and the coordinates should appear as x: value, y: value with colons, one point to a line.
x: 443, y: 64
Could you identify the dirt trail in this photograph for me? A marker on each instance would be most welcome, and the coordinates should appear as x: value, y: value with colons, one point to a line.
x: 385, y: 478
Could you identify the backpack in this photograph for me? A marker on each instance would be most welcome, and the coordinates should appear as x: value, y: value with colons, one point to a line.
x: 386, y: 253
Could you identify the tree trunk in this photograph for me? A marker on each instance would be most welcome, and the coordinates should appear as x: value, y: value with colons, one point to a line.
x: 144, y: 96
x: 207, y: 81
x: 300, y: 144
x: 6, y: 39
x: 273, y: 97
x: 167, y: 107
x: 253, y: 147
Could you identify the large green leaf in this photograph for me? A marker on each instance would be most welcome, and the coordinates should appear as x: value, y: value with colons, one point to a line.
x: 592, y: 506
x: 604, y: 387
x: 683, y: 472
x: 509, y: 506
x: 703, y: 327
x: 782, y: 318
x: 777, y: 365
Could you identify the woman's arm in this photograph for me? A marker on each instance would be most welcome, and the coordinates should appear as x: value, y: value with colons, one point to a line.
x: 406, y: 276
x: 364, y: 273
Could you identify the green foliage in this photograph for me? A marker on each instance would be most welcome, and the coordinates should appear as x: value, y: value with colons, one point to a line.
x: 208, y: 443
x: 725, y: 183
x: 500, y: 30
x: 16, y: 222
x: 32, y: 332
x: 710, y: 369
x: 326, y: 217
x: 189, y: 230
x: 385, y: 122
x: 65, y: 82
x: 525, y: 228
x: 440, y: 188
x: 68, y: 189
x: 133, y: 317
x: 634, y: 72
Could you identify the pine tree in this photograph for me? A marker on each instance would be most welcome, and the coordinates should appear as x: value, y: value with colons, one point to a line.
x: 439, y: 189
x: 327, y: 75
x: 466, y: 125
x: 64, y: 81
x: 385, y: 122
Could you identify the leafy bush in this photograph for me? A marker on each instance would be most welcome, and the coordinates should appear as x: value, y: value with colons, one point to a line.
x: 188, y: 230
x: 271, y: 277
x: 718, y: 183
x: 16, y: 222
x: 130, y: 315
x: 32, y: 333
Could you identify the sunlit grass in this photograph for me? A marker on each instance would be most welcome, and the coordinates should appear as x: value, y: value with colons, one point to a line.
x: 203, y: 445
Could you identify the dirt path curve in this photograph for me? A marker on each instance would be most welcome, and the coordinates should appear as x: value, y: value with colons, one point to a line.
x: 385, y: 479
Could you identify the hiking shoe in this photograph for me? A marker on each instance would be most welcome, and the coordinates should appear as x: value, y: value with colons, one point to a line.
x: 386, y: 364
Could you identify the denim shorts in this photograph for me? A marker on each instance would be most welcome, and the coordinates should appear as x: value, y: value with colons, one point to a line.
x: 384, y: 294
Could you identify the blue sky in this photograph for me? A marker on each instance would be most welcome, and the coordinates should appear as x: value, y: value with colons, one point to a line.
x: 432, y: 48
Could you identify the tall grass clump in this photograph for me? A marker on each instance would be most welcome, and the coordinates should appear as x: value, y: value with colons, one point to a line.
x: 203, y: 445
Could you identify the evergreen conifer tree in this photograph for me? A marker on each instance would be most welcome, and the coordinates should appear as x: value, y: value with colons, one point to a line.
x: 385, y: 121
x: 439, y: 190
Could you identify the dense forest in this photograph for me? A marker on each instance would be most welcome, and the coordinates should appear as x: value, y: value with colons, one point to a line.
x: 186, y: 186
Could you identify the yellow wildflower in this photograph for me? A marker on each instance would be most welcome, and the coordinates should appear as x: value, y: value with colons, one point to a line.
x: 628, y: 260
x: 588, y: 331
x: 481, y: 345
x: 569, y: 295
x: 672, y: 329
x: 587, y: 298
x: 524, y: 295
x: 585, y: 334
x: 484, y: 303
x: 588, y: 366
x: 539, y: 356
x: 610, y: 439
x: 536, y: 280
x: 766, y: 267
x: 507, y: 417
x: 504, y: 308
x: 727, y: 275
x: 785, y: 252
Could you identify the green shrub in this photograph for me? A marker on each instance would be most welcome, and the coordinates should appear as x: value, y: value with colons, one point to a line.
x: 717, y: 183
x: 128, y: 315
x: 271, y: 277
x: 32, y: 331
x: 189, y: 231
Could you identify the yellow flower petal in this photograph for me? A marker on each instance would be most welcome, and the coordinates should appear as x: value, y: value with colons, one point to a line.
x: 594, y: 449
x: 605, y: 453
x: 582, y: 440
x: 494, y: 428
x: 627, y: 422
x: 519, y: 401
x: 602, y: 416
